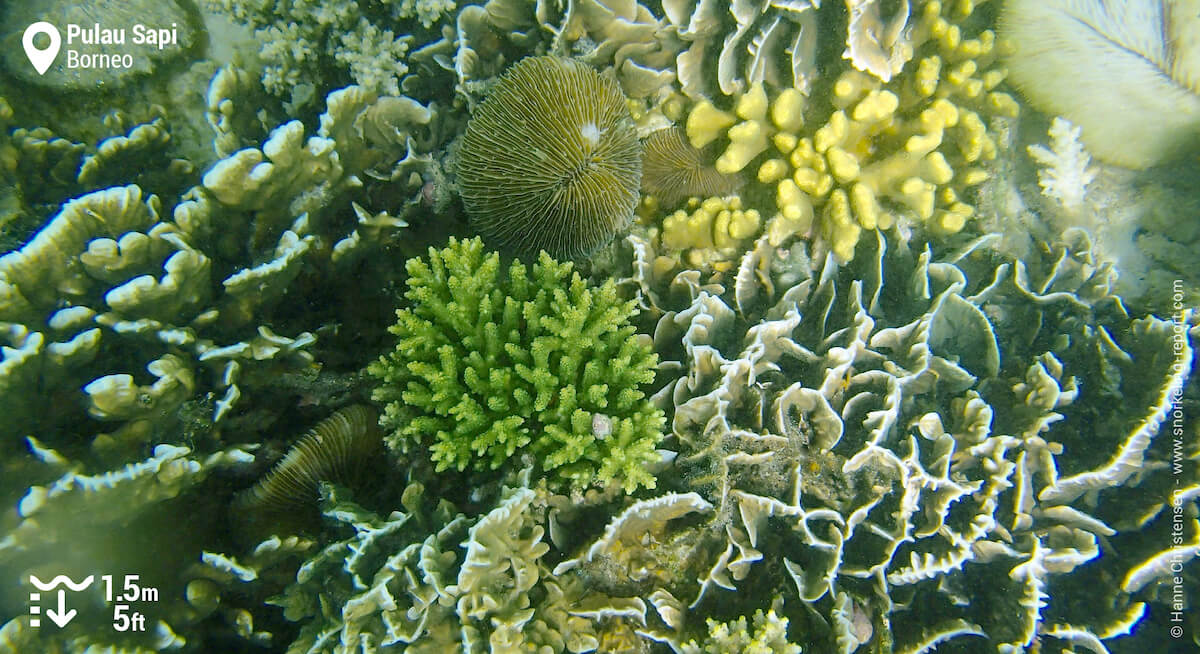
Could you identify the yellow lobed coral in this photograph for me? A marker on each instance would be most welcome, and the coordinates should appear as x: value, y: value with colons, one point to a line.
x: 914, y: 147
x: 710, y: 230
x: 714, y: 229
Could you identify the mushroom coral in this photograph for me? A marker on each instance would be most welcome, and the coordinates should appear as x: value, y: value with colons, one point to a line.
x: 551, y: 160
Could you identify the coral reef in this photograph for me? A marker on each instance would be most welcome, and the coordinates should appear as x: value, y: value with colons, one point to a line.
x: 551, y: 161
x: 867, y: 446
x: 908, y: 146
x: 1142, y: 230
x: 624, y: 34
x: 121, y: 304
x: 310, y: 48
x: 101, y: 250
x: 109, y: 271
x: 489, y: 366
x: 890, y: 431
x: 398, y: 581
x: 133, y: 275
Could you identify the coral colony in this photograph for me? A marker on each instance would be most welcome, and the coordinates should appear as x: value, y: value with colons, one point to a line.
x: 600, y: 326
x: 567, y: 184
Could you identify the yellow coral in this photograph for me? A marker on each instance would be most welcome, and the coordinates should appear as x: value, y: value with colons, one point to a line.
x: 916, y: 146
x: 710, y: 230
x: 706, y: 123
x: 913, y: 148
x: 747, y: 140
x: 787, y: 112
x: 850, y: 153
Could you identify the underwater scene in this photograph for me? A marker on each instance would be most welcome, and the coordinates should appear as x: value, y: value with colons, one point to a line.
x: 637, y: 326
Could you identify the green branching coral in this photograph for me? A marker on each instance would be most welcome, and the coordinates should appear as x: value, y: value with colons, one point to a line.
x: 536, y: 362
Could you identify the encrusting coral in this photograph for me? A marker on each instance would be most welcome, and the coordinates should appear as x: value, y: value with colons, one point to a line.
x: 489, y: 366
x: 551, y: 160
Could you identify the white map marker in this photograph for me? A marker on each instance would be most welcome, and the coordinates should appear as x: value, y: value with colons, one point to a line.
x: 41, y: 59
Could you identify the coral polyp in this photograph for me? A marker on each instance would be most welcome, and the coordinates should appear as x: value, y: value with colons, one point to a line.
x: 551, y: 161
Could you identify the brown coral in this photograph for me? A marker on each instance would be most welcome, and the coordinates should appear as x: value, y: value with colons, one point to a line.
x: 333, y: 451
x: 551, y: 160
x: 673, y: 169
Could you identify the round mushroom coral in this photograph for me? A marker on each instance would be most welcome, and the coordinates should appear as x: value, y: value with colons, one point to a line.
x: 551, y: 160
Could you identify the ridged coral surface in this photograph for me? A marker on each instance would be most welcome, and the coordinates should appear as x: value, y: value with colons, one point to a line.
x: 489, y: 365
x: 674, y: 169
x: 331, y: 451
x: 551, y: 161
x: 1127, y: 72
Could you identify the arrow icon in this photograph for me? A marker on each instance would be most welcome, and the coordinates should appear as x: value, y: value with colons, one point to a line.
x: 62, y: 616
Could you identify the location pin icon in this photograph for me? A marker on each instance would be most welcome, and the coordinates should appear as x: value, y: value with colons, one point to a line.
x: 41, y: 59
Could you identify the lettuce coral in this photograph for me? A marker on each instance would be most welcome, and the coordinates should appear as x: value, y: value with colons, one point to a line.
x: 877, y: 438
x: 488, y: 366
x: 400, y: 583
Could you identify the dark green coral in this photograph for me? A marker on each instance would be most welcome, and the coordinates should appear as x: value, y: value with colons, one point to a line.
x: 488, y: 367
